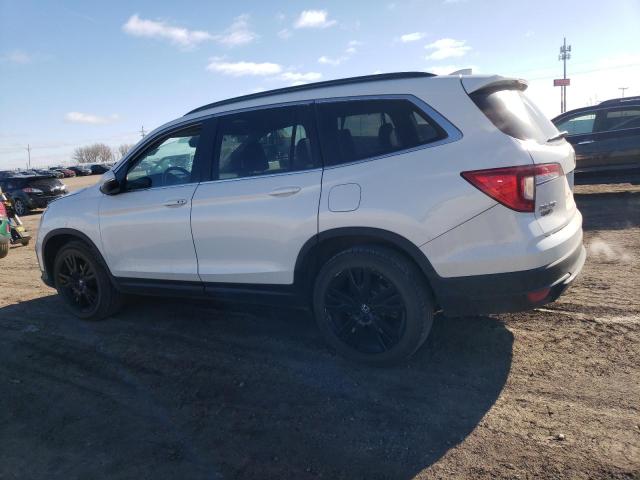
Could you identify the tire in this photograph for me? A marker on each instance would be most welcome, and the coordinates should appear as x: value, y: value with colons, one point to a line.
x: 20, y: 207
x: 83, y: 283
x: 4, y: 249
x: 372, y: 305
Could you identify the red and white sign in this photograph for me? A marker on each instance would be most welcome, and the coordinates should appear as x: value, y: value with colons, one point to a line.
x: 561, y: 82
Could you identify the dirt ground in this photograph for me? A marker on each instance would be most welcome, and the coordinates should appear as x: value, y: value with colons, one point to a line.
x: 170, y: 389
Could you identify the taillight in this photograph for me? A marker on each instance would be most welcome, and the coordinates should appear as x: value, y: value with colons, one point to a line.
x: 514, y: 187
x: 3, y: 210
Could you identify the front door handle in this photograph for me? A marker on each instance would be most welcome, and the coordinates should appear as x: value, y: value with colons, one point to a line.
x: 284, y: 191
x: 176, y: 202
x: 585, y: 142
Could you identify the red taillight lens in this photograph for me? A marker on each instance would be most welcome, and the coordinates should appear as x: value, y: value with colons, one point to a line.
x: 3, y: 209
x: 514, y: 187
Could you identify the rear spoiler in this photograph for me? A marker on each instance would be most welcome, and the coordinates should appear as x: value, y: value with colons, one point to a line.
x: 492, y: 83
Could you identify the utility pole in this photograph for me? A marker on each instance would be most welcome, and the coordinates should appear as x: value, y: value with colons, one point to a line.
x: 28, y: 149
x: 622, y: 89
x: 565, y: 54
x: 142, y: 132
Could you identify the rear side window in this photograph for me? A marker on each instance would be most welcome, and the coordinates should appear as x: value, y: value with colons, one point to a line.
x: 359, y: 129
x: 578, y: 125
x: 515, y: 114
x: 264, y: 142
x: 618, y: 119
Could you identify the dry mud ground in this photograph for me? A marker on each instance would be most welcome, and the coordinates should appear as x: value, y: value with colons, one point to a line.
x: 170, y: 390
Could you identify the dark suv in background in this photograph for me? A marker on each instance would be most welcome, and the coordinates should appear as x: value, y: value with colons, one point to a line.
x: 606, y: 138
x: 27, y: 193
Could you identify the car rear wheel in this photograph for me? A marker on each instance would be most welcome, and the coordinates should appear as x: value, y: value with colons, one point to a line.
x: 4, y: 249
x: 372, y: 305
x: 83, y: 283
x: 20, y: 207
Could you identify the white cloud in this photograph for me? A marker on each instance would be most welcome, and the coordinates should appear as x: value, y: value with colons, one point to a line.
x: 447, y: 48
x: 16, y: 56
x: 332, y: 61
x: 284, y: 33
x: 314, y: 19
x: 180, y: 36
x: 352, y: 49
x: 238, y: 33
x: 241, y: 69
x: 89, y: 119
x: 412, y: 37
x: 299, y: 78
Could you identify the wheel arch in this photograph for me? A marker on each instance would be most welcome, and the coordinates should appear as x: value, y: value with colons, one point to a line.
x: 56, y: 239
x: 324, y: 245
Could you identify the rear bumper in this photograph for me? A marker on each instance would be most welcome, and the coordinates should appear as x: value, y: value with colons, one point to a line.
x: 511, y: 291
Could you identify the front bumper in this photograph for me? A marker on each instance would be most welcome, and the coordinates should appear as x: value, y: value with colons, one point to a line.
x: 509, y: 292
x: 42, y: 201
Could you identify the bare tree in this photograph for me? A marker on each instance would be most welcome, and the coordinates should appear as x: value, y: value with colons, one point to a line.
x: 123, y: 149
x: 96, y: 153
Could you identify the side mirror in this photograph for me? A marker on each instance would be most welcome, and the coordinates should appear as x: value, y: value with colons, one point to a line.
x: 110, y: 184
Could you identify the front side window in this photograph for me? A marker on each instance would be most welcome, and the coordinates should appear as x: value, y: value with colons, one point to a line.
x: 578, y: 125
x: 167, y: 162
x: 264, y: 142
x: 359, y: 129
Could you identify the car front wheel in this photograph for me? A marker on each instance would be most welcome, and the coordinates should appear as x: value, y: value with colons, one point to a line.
x: 20, y: 207
x: 83, y: 283
x: 372, y: 305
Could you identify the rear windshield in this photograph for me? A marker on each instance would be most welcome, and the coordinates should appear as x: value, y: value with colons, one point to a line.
x: 515, y: 114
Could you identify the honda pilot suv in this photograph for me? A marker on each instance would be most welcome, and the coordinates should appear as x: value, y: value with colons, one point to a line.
x: 375, y: 200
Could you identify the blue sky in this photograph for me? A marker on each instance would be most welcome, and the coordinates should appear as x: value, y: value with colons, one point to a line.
x: 78, y: 72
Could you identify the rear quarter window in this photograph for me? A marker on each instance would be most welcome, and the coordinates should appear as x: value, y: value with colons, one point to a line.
x: 513, y: 113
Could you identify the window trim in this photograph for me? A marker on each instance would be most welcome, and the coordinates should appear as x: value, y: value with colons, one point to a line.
x: 568, y: 118
x: 451, y: 131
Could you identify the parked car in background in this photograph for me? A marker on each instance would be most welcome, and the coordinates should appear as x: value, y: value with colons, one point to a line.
x: 605, y: 137
x: 99, y: 169
x: 5, y: 230
x: 81, y: 170
x: 28, y: 193
x: 48, y: 173
x: 374, y: 200
x: 65, y: 172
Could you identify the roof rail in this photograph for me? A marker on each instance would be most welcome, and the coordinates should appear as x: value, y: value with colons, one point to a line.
x: 614, y: 101
x: 311, y: 86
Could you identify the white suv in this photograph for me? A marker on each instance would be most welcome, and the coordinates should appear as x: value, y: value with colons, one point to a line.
x: 378, y: 200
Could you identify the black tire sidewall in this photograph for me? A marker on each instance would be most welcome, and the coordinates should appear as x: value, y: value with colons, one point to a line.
x: 105, y: 289
x: 22, y: 210
x: 408, y: 282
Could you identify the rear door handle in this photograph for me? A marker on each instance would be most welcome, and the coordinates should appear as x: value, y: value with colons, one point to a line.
x: 284, y: 191
x: 585, y: 142
x: 176, y: 202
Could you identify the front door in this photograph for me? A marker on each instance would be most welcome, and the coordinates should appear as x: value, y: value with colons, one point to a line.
x: 145, y: 229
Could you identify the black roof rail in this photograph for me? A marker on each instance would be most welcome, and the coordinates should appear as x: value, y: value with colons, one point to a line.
x: 311, y: 86
x: 614, y: 101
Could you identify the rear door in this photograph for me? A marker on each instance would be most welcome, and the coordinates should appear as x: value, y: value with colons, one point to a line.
x: 251, y: 220
x: 616, y: 137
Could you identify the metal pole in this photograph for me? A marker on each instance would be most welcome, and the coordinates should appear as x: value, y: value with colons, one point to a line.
x: 622, y: 89
x: 565, y: 74
x: 28, y: 149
